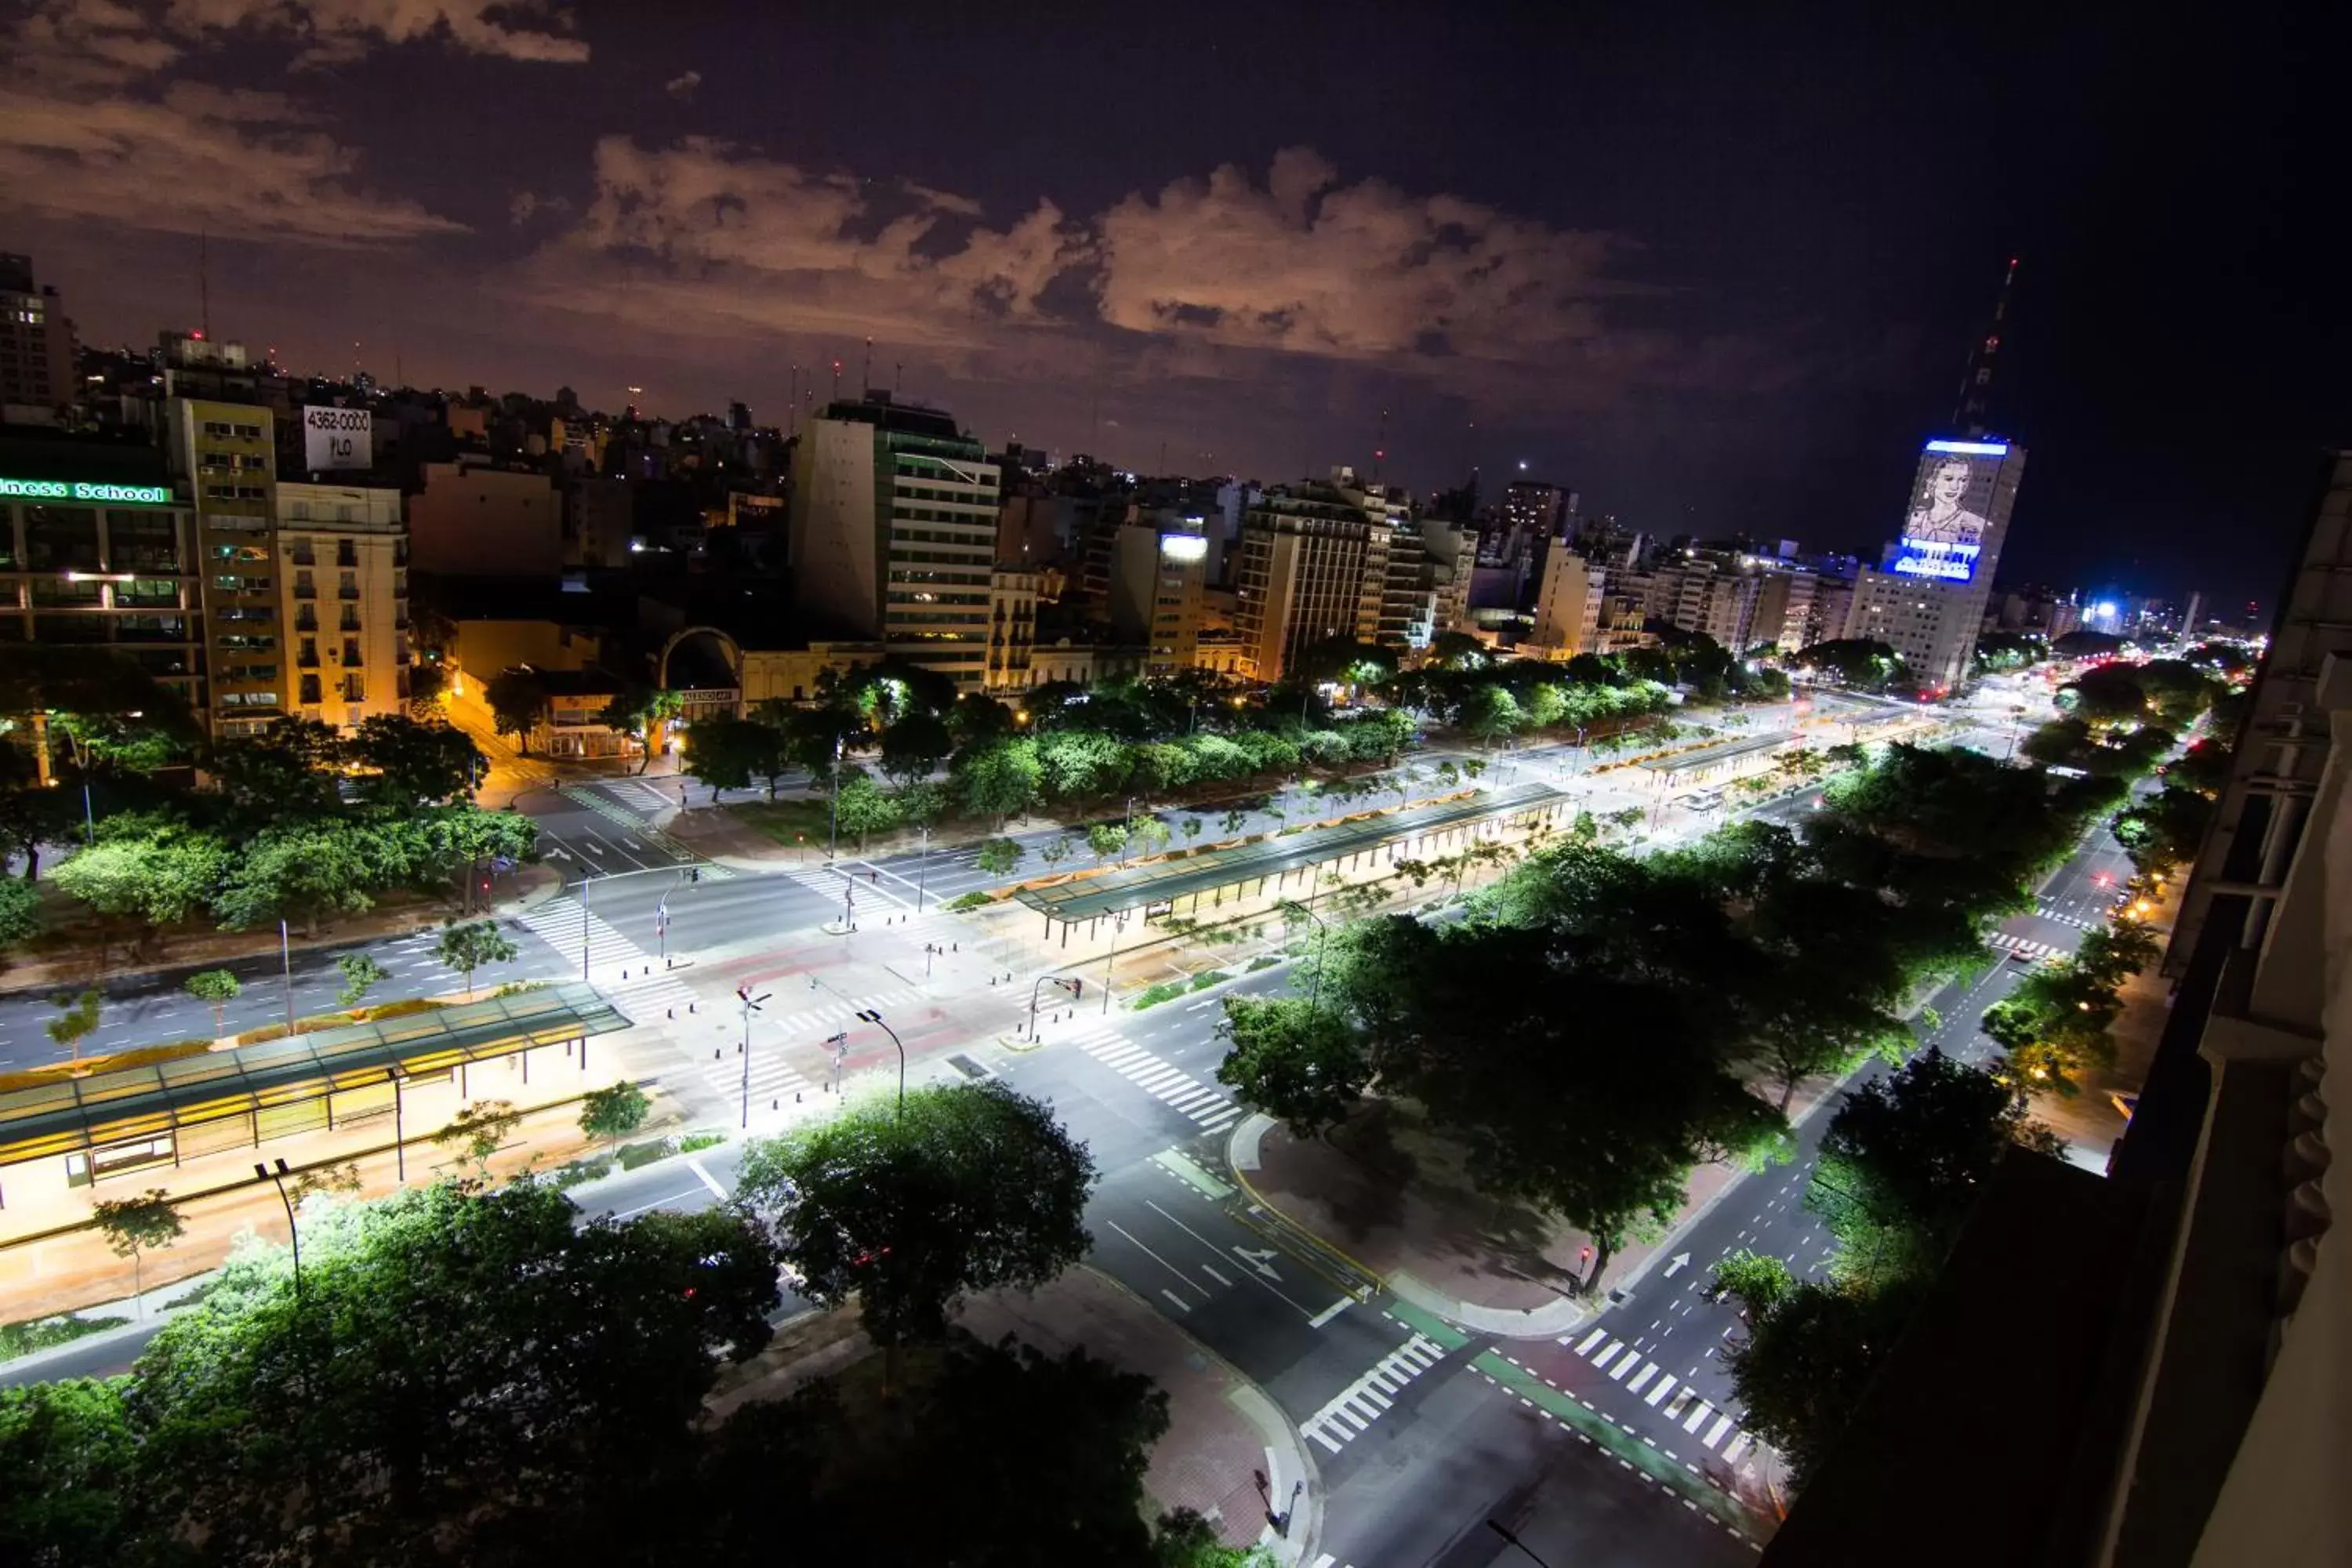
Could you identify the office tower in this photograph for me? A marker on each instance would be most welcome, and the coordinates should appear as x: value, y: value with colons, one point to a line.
x: 37, y: 342
x: 96, y: 548
x: 1301, y: 574
x: 227, y: 452
x: 342, y: 551
x: 892, y: 532
x: 1926, y: 597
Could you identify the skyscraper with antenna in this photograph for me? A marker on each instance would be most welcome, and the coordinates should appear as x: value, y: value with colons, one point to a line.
x: 1925, y: 599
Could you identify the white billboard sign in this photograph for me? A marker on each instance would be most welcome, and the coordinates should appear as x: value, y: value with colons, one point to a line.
x: 338, y: 438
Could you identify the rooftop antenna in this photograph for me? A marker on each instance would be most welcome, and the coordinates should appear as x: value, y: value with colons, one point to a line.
x: 1969, y: 416
x: 866, y: 380
x: 793, y: 404
x: 1381, y: 447
x: 204, y: 286
x: 898, y: 373
x: 836, y: 381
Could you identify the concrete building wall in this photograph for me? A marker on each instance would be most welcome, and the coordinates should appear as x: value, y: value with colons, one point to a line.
x: 227, y: 454
x: 474, y: 521
x: 1567, y: 605
x: 342, y: 557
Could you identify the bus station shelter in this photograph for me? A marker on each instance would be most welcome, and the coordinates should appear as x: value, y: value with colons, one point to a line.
x: 1206, y: 877
x: 162, y: 1114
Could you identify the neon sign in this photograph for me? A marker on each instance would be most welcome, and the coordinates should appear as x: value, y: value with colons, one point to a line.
x: 1937, y: 558
x: 1971, y: 448
x: 82, y: 491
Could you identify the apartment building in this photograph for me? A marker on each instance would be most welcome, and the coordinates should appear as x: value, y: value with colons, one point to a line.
x: 343, y: 554
x: 892, y: 533
x: 1157, y: 579
x: 226, y: 454
x: 37, y: 342
x: 1301, y: 574
x: 1011, y: 629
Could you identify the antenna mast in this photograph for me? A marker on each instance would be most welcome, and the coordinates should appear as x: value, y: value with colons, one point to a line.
x: 204, y: 286
x: 1968, y: 417
x: 1381, y: 447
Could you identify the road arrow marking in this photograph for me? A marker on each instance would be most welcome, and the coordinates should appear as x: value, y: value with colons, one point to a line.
x: 1259, y: 1260
x: 1676, y: 1263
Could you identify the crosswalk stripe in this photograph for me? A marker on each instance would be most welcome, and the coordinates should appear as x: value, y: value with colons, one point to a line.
x: 1737, y: 1446
x: 1649, y: 1371
x: 1682, y: 1400
x: 1590, y: 1339
x: 1714, y: 1433
x: 1628, y: 1364
x: 1666, y: 1385
x: 1354, y: 1408
x: 1698, y: 1414
x: 1603, y: 1359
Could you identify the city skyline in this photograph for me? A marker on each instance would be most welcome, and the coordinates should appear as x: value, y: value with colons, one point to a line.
x: 1738, y: 319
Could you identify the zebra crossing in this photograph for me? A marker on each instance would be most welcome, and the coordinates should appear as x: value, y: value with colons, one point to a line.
x: 1355, y: 1407
x: 1170, y: 1084
x: 2008, y: 944
x: 2077, y: 922
x: 638, y: 793
x: 771, y: 1077
x: 611, y: 810
x: 1683, y: 1407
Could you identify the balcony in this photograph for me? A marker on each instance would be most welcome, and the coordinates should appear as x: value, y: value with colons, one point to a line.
x: 349, y: 591
x: 305, y: 590
x: 304, y: 556
x: 308, y: 621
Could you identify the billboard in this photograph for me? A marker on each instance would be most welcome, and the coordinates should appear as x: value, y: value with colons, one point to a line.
x: 337, y: 439
x: 1948, y: 528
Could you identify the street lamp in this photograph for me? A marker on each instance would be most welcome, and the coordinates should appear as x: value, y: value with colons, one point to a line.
x: 923, y: 865
x: 293, y: 1231
x: 399, y: 1132
x: 1118, y: 924
x: 751, y: 1005
x: 875, y: 1018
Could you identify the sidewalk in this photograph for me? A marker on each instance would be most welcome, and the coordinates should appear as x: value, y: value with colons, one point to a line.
x: 1395, y: 1199
x: 1223, y: 1429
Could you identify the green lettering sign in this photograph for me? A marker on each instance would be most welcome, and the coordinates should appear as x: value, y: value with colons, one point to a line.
x: 86, y: 490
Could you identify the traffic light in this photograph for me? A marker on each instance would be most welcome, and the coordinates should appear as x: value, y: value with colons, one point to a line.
x: 1077, y: 988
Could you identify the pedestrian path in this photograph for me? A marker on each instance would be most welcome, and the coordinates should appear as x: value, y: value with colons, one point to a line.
x: 640, y: 794
x: 613, y: 811
x: 1353, y: 1410
x: 1637, y: 1375
x: 1172, y: 1086
x: 648, y: 995
x: 2077, y: 922
x: 2008, y: 944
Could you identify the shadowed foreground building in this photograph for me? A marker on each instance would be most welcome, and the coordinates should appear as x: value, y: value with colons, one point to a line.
x: 2154, y: 1369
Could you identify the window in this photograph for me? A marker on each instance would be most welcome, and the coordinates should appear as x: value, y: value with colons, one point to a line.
x: 310, y: 690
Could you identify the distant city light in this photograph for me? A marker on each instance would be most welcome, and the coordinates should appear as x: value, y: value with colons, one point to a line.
x: 2106, y: 607
x: 1971, y: 448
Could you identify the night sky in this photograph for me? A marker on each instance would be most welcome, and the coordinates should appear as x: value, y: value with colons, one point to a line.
x: 1717, y: 272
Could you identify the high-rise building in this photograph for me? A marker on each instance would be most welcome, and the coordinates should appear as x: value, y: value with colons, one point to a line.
x: 98, y: 549
x: 1926, y: 597
x: 37, y: 342
x: 1156, y: 580
x: 892, y: 532
x: 343, y: 554
x: 227, y: 452
x: 1300, y: 576
x: 1011, y: 629
x: 1784, y: 610
x: 474, y: 518
x: 1569, y: 606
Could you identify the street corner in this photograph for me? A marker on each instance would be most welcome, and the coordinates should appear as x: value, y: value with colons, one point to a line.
x: 1229, y: 1453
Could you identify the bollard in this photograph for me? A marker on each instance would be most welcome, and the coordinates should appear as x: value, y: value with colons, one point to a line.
x: 689, y: 1006
x: 714, y: 1056
x: 624, y: 975
x: 672, y: 1012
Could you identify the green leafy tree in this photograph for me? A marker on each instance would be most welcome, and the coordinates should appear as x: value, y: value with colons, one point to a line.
x: 361, y: 974
x: 415, y: 764
x: 1234, y: 821
x: 914, y: 746
x: 1192, y: 826
x: 1002, y: 780
x: 465, y: 948
x: 31, y: 817
x: 20, y: 912
x: 1105, y: 839
x: 613, y: 1114
x: 134, y: 1226
x: 504, y: 1384
x: 729, y: 753
x: 998, y: 857
x: 863, y: 808
x: 1148, y: 836
x: 428, y: 679
x: 70, y: 1454
x: 920, y: 804
x: 968, y: 1187
x: 518, y: 701
x: 216, y: 988
x: 479, y: 1130
x: 1757, y: 1280
x: 1807, y: 1362
x: 1056, y: 851
x: 643, y: 713
x: 1293, y: 1061
x: 304, y: 874
x: 149, y: 882
x: 76, y: 1021
x: 286, y: 772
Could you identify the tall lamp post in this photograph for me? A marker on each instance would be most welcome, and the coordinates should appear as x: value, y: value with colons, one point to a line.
x: 923, y: 867
x: 1118, y: 924
x: 293, y: 1232
x: 399, y: 1130
x: 875, y: 1018
x: 751, y: 1005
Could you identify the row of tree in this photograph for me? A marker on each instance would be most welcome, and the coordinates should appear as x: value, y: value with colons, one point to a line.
x: 1672, y: 988
x: 463, y: 1376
